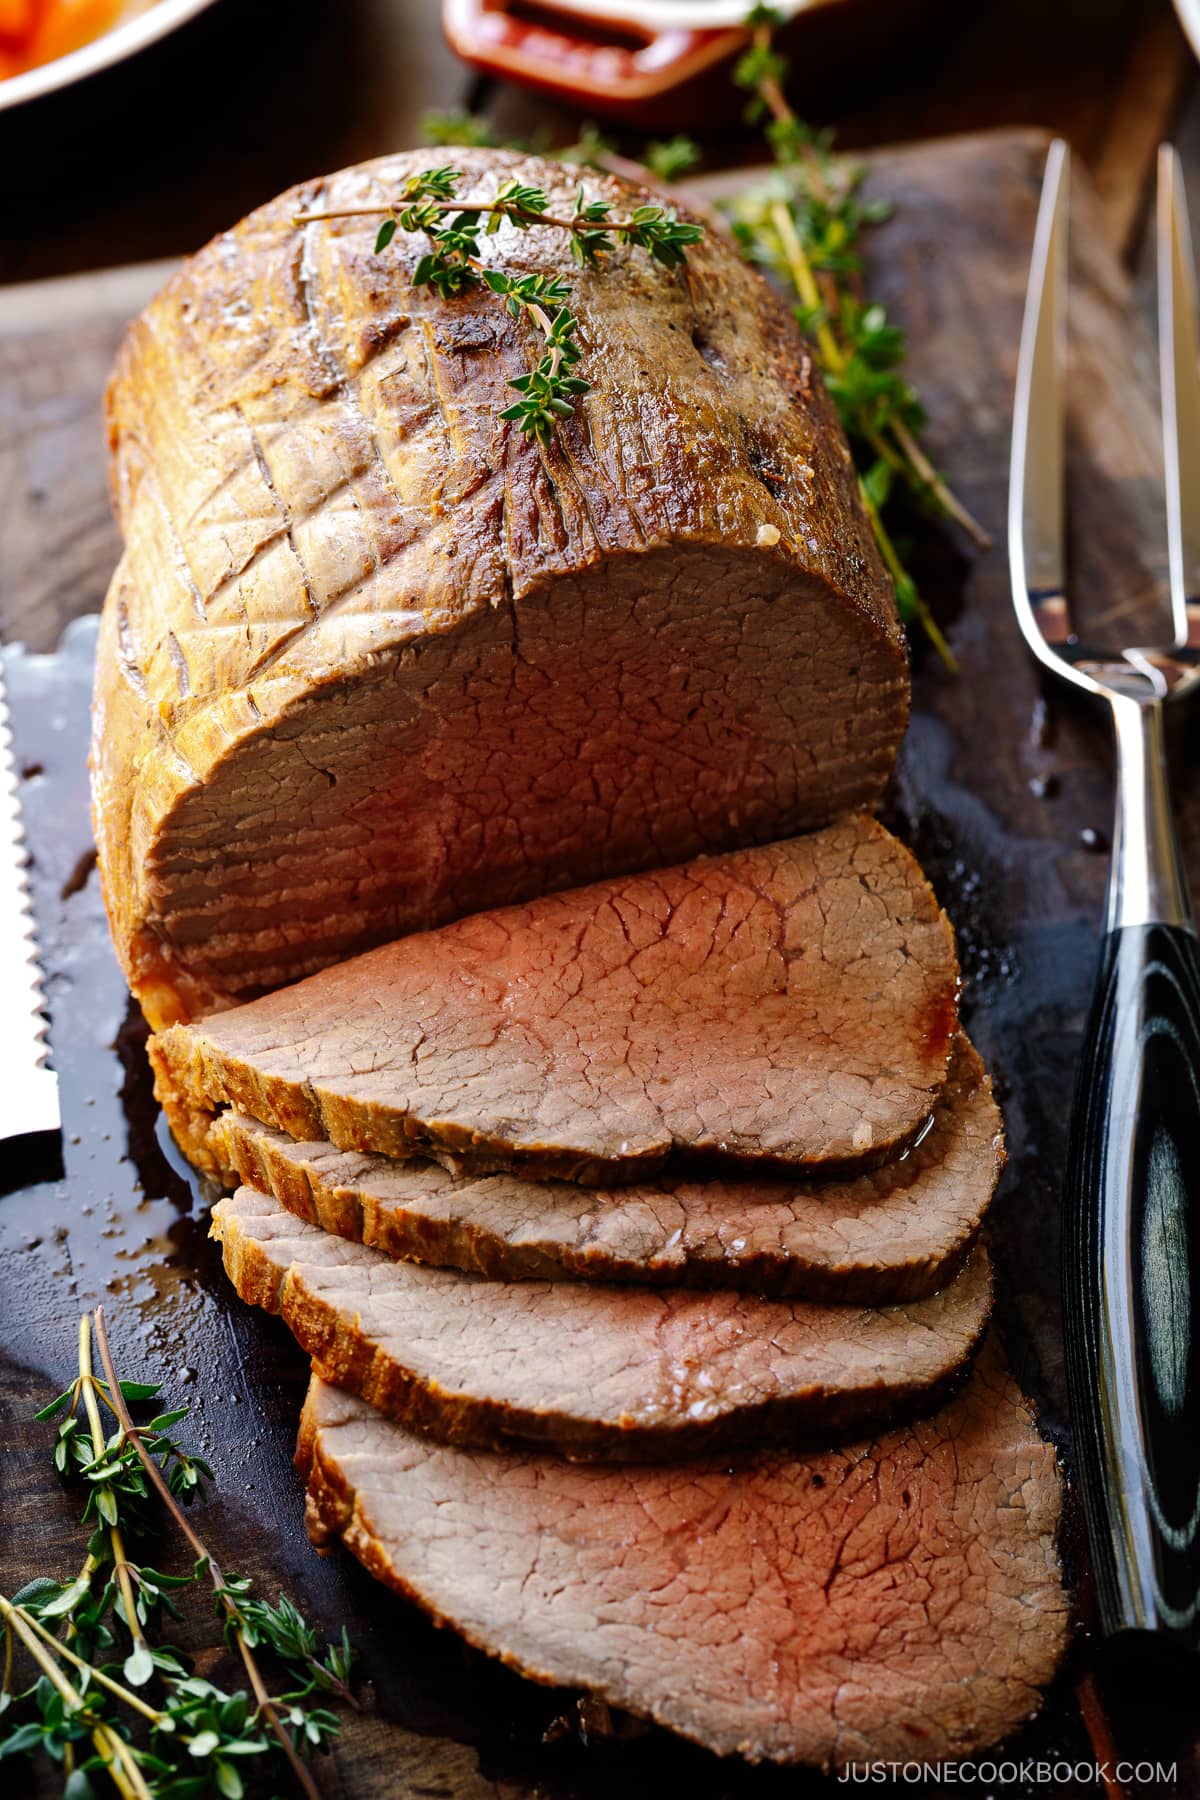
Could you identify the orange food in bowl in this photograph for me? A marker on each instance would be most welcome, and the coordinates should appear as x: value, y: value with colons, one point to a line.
x: 36, y: 31
x: 17, y: 18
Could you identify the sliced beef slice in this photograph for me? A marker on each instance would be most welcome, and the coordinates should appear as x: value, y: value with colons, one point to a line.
x: 898, y: 1232
x: 790, y: 1006
x: 596, y: 1371
x: 372, y: 659
x: 900, y: 1598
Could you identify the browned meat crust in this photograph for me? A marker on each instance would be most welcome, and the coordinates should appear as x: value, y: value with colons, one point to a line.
x: 594, y: 1371
x: 898, y: 1232
x: 898, y: 1599
x: 791, y: 1006
x: 372, y: 660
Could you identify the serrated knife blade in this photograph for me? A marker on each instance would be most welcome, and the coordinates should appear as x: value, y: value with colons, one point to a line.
x: 28, y: 1089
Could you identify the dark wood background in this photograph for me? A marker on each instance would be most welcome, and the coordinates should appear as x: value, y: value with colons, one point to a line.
x: 1001, y: 780
x: 151, y: 159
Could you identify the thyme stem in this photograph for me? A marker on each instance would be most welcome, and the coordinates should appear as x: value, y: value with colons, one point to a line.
x: 132, y: 1435
x: 806, y: 222
x: 946, y: 496
x: 781, y: 109
x: 95, y: 1673
x: 904, y: 581
x: 805, y: 281
x: 122, y: 1766
x: 115, y: 1535
x: 429, y: 203
x: 505, y: 208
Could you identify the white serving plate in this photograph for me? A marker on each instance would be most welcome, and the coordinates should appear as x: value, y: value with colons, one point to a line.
x: 125, y: 39
x: 681, y: 15
x: 1188, y: 10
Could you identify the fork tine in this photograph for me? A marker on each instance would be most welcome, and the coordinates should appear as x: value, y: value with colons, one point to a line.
x: 1036, y: 495
x: 1179, y: 374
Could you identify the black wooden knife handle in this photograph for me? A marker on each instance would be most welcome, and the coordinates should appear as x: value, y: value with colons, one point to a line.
x: 1131, y: 1259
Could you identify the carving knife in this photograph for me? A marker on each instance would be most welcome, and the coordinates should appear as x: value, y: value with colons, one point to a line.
x: 28, y: 1089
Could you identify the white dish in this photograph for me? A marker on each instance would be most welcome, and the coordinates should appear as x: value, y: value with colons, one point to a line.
x: 1189, y: 18
x: 685, y: 15
x: 125, y: 39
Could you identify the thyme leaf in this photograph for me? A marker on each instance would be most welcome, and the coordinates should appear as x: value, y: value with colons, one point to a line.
x: 108, y: 1704
x: 430, y: 205
x: 672, y: 158
x: 805, y: 224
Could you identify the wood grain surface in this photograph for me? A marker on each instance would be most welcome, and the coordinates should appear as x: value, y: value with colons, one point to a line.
x: 998, y: 781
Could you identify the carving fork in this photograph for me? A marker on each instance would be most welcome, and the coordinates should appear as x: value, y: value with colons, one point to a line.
x: 1131, y: 1223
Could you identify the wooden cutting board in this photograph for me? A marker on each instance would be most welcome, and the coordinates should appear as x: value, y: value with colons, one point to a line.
x: 999, y: 781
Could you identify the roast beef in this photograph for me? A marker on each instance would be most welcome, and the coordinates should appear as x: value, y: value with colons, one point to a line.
x: 788, y: 1006
x: 898, y: 1599
x: 895, y: 1233
x: 372, y: 659
x: 595, y: 1371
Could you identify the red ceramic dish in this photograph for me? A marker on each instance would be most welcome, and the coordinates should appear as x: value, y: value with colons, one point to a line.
x: 616, y: 67
x: 664, y: 64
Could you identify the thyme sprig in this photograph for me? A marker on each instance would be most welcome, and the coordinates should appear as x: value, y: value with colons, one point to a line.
x: 458, y: 127
x: 139, y: 1717
x: 668, y: 158
x: 430, y: 204
x: 805, y: 223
